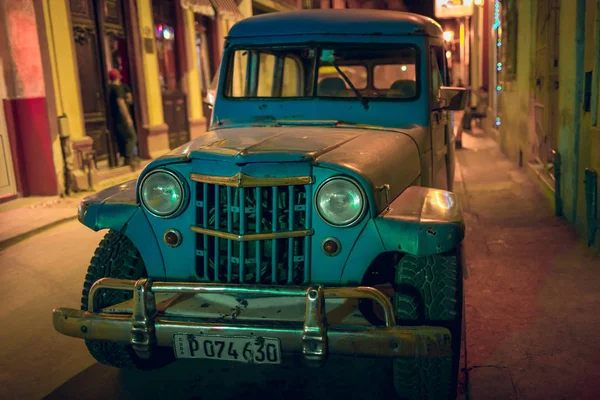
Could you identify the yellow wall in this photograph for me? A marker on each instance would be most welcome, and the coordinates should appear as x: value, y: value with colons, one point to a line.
x: 589, y: 150
x: 245, y: 7
x: 151, y: 76
x: 64, y: 71
x: 192, y: 73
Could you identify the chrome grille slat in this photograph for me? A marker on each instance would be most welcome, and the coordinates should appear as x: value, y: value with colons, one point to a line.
x: 230, y: 230
x: 258, y: 234
x: 258, y: 243
x: 216, y: 258
x: 274, y: 242
x: 307, y: 225
x: 290, y: 240
x: 205, y: 224
x: 242, y: 197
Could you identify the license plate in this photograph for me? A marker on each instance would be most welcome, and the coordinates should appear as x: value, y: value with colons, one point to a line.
x: 256, y: 350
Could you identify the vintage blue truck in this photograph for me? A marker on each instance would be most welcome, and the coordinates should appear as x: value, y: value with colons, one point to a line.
x: 324, y: 184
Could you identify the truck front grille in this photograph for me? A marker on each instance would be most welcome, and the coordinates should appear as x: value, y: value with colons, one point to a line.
x: 253, y: 234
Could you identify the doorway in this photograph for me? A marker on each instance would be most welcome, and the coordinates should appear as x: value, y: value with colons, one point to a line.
x: 8, y: 186
x: 545, y: 136
x: 207, y: 58
x: 167, y: 33
x: 100, y: 36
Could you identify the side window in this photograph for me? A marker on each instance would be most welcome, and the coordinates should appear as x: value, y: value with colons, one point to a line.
x: 266, y: 68
x: 292, y: 78
x: 437, y: 73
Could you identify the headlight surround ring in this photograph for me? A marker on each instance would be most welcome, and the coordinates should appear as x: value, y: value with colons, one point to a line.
x: 359, y: 194
x: 178, y: 187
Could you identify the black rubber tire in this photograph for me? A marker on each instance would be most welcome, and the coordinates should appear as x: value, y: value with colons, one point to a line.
x: 429, y: 291
x: 117, y: 257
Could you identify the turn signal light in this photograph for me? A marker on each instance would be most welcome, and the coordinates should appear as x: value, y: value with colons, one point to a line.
x: 332, y: 247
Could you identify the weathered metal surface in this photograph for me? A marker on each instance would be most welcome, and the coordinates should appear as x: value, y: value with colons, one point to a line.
x: 414, y: 341
x: 142, y: 321
x: 373, y: 155
x: 314, y: 332
x: 337, y: 22
x: 146, y: 327
x: 119, y: 201
x: 422, y: 221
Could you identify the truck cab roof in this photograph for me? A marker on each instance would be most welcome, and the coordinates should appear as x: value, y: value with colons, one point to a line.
x: 336, y: 22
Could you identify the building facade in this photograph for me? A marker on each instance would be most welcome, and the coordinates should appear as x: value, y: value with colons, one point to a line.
x: 55, y: 125
x: 544, y: 64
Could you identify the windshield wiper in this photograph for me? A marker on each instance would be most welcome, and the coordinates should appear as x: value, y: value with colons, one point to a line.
x: 363, y: 101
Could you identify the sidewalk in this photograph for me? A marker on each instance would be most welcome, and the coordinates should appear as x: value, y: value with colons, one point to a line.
x: 532, y: 290
x: 27, y: 216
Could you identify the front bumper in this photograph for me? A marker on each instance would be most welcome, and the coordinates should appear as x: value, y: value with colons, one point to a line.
x: 148, y: 326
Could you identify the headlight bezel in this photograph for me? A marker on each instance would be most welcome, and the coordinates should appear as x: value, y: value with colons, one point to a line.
x: 360, y: 216
x: 180, y: 182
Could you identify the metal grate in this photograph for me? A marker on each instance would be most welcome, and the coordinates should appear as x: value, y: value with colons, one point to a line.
x: 253, y: 234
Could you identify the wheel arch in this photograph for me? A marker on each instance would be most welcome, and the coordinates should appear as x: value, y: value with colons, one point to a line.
x: 422, y: 221
x: 116, y: 209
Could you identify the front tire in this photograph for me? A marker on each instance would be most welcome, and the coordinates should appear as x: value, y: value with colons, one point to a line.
x: 429, y: 292
x: 117, y: 257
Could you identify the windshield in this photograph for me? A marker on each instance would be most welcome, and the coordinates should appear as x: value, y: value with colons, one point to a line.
x: 373, y: 72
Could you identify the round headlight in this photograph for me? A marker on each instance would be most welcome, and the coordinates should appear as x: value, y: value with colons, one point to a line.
x: 162, y: 193
x: 340, y: 202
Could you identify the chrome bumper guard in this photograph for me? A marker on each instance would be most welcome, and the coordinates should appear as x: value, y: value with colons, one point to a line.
x: 146, y: 328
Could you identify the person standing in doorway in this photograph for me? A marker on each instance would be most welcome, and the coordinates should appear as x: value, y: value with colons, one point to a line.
x: 121, y: 118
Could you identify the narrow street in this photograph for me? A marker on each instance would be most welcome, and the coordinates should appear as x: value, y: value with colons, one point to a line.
x: 531, y: 292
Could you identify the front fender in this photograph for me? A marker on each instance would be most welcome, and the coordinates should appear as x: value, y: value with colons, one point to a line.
x: 422, y: 221
x: 116, y: 208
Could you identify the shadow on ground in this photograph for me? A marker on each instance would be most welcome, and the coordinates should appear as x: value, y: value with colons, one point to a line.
x: 341, y: 378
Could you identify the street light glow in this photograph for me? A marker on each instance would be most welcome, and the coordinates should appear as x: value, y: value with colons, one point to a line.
x: 448, y: 35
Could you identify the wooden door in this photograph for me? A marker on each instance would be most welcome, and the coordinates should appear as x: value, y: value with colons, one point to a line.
x: 204, y: 57
x: 167, y: 33
x: 546, y: 81
x: 7, y: 176
x: 91, y: 71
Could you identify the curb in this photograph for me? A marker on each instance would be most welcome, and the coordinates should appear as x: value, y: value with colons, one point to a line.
x: 461, y: 184
x: 5, y: 244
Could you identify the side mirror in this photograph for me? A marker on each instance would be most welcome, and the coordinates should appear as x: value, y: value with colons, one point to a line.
x: 453, y: 98
x: 209, y: 100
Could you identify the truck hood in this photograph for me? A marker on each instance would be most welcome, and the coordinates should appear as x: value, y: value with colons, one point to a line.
x: 376, y: 156
x: 244, y: 145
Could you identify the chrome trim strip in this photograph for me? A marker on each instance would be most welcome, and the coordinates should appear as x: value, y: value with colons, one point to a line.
x: 248, y: 237
x: 242, y: 180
